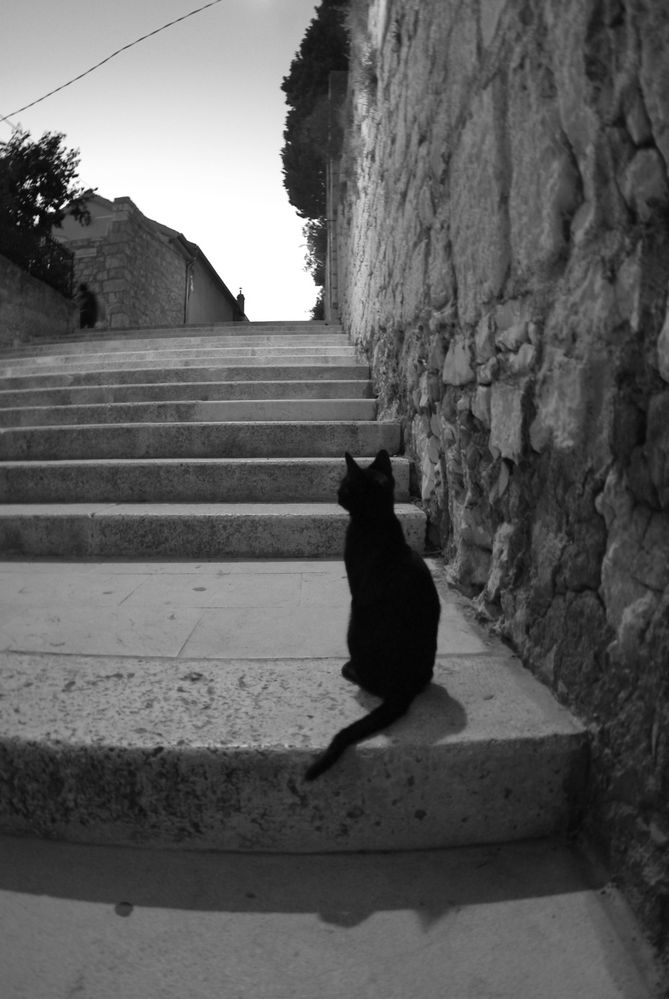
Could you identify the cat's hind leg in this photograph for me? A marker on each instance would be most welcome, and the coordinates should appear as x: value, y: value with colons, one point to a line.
x: 364, y: 677
x: 349, y: 672
x: 359, y: 676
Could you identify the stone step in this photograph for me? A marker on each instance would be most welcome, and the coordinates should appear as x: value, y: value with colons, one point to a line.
x: 270, y: 410
x: 203, y: 362
x: 353, y: 388
x: 307, y: 327
x: 239, y: 688
x: 177, y: 480
x: 132, y: 334
x: 190, y: 357
x: 148, y: 376
x: 200, y: 440
x: 211, y: 754
x: 185, y: 530
x: 87, y: 347
x: 207, y: 348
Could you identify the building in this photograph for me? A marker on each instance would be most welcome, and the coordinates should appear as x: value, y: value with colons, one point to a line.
x: 142, y: 272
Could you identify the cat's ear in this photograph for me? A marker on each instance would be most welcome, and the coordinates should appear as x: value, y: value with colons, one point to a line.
x: 382, y: 463
x: 351, y: 463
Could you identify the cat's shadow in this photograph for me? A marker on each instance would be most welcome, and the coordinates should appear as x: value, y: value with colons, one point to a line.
x: 433, y: 715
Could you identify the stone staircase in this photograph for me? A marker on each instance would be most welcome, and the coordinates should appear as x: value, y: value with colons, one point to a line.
x: 216, y: 445
x: 188, y: 482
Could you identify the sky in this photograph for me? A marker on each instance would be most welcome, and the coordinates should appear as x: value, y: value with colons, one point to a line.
x: 188, y: 124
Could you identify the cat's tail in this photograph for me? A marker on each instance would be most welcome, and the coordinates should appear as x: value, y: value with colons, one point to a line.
x: 386, y: 713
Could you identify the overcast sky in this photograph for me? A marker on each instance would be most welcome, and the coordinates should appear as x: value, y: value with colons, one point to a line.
x: 188, y: 124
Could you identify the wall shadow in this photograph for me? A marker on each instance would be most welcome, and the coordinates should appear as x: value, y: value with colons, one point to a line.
x: 343, y: 889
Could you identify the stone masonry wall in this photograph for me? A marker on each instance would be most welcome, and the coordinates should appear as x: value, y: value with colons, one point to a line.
x: 94, y: 267
x: 503, y: 241
x: 138, y: 278
x: 156, y: 293
x: 29, y: 308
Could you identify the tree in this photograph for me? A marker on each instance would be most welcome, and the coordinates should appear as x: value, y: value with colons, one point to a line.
x: 323, y: 49
x: 318, y: 309
x: 316, y: 234
x: 37, y: 188
x: 38, y: 184
x: 307, y: 137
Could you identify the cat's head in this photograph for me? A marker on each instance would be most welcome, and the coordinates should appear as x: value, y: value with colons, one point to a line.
x: 367, y: 490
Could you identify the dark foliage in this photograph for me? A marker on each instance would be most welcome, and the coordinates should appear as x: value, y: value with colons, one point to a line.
x: 324, y: 49
x: 37, y: 188
x: 41, y: 256
x: 318, y: 310
x: 308, y: 135
x: 316, y: 234
x: 37, y: 183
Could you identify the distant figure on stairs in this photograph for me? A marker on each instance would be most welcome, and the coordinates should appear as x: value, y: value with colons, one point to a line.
x: 241, y: 304
x: 88, y: 307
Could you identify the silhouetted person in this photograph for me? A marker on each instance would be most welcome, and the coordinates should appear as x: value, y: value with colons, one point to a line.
x: 241, y: 302
x: 88, y: 307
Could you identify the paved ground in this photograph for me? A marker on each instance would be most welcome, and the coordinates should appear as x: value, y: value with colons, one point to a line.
x: 527, y: 921
x: 278, y: 609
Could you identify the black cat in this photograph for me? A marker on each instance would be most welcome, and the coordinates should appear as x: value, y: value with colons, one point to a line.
x: 392, y: 631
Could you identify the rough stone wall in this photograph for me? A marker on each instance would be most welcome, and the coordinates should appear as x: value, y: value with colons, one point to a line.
x: 30, y: 309
x: 503, y: 238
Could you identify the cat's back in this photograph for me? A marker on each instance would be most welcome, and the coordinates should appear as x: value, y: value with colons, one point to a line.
x: 418, y: 587
x: 387, y: 570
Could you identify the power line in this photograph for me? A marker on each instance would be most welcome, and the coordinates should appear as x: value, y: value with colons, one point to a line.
x: 109, y: 57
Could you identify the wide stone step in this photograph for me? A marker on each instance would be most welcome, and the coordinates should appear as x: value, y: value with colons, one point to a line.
x: 191, y: 412
x: 224, y: 347
x: 85, y: 347
x: 202, y: 361
x: 176, y: 391
x: 200, y: 440
x: 185, y: 530
x: 170, y: 359
x: 147, y: 376
x: 211, y: 754
x: 176, y: 480
x: 181, y: 702
x: 315, y: 328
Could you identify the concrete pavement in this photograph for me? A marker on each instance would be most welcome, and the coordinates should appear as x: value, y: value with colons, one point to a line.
x: 520, y: 921
x: 257, y: 609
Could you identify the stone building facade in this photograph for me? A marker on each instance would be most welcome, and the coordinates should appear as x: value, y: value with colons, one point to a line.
x: 501, y: 206
x: 144, y: 273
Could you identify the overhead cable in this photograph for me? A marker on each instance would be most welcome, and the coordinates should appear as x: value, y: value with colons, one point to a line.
x: 109, y: 57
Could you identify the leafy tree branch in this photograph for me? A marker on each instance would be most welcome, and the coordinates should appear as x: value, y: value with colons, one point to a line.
x: 38, y: 184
